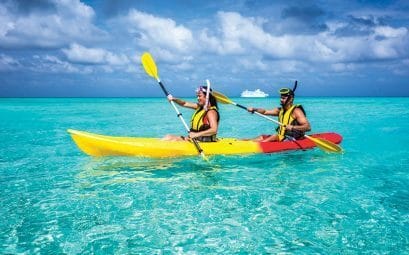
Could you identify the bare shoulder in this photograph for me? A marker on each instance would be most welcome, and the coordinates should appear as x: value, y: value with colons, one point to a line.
x: 212, y: 112
x: 298, y: 112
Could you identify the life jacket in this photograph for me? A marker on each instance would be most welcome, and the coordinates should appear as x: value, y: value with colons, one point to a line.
x: 285, y: 117
x: 200, y: 122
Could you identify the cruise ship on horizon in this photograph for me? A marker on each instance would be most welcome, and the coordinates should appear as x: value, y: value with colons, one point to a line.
x: 253, y: 93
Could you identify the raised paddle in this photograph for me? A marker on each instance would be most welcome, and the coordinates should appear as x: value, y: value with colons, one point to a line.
x: 323, y: 144
x: 150, y: 68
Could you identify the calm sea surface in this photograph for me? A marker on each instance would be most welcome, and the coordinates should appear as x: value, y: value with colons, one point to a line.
x: 56, y: 200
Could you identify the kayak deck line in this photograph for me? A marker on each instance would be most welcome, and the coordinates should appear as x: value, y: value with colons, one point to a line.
x: 103, y: 145
x: 99, y: 137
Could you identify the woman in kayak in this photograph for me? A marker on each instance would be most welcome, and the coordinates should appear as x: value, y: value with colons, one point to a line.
x: 292, y: 116
x: 205, y: 119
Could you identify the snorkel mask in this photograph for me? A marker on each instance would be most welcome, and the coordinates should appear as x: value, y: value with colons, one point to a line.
x: 203, y: 89
x: 206, y: 90
x: 287, y: 92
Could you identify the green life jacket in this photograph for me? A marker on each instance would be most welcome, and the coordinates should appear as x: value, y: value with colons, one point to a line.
x: 200, y: 122
x: 285, y: 117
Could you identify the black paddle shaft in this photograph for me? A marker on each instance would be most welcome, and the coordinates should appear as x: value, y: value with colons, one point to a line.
x: 163, y: 89
x: 241, y: 106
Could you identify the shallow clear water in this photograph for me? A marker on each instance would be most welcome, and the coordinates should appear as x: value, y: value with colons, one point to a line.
x: 54, y: 199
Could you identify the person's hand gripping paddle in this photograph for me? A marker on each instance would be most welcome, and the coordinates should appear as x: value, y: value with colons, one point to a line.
x: 151, y: 69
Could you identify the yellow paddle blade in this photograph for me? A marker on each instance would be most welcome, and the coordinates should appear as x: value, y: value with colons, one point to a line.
x: 221, y: 98
x: 325, y: 144
x: 149, y: 65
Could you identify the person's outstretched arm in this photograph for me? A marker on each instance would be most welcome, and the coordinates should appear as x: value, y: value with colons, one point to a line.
x: 182, y: 102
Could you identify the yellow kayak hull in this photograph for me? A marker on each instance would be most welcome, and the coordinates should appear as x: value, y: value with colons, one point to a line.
x: 102, y: 145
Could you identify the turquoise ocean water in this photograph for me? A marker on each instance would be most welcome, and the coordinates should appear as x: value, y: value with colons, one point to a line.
x: 56, y: 200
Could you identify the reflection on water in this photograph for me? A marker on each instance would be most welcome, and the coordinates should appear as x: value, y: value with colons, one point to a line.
x: 119, y: 164
x: 117, y: 170
x: 131, y: 169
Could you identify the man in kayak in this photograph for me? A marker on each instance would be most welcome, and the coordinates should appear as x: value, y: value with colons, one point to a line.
x: 292, y: 116
x: 205, y: 119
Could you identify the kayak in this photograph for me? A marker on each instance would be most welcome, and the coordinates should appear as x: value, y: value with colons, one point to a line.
x: 103, y: 145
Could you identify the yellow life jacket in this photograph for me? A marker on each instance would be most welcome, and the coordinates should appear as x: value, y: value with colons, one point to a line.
x: 286, y: 118
x: 199, y: 122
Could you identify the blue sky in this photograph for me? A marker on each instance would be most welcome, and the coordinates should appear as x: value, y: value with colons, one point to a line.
x: 72, y: 48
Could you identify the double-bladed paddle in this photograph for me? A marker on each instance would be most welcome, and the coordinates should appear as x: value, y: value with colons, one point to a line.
x: 323, y: 144
x: 151, y: 69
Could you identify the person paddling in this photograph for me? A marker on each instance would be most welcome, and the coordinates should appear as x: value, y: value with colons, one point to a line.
x: 291, y: 115
x: 205, y: 119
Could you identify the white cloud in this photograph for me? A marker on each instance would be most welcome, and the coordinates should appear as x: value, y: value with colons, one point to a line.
x: 52, y: 64
x: 56, y: 65
x: 391, y: 32
x: 378, y: 43
x: 8, y: 63
x: 235, y: 31
x: 342, y: 67
x: 74, y: 9
x: 6, y: 21
x: 210, y: 43
x: 156, y: 32
x: 384, y: 50
x: 79, y: 54
x: 71, y: 21
x: 243, y: 40
x: 245, y: 35
x: 393, y: 42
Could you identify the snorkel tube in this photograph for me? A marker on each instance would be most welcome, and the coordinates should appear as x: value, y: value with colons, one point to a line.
x: 295, y: 87
x: 288, y: 92
x: 207, y: 95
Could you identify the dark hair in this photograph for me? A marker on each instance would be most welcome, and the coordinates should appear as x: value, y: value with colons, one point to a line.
x: 213, y: 101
